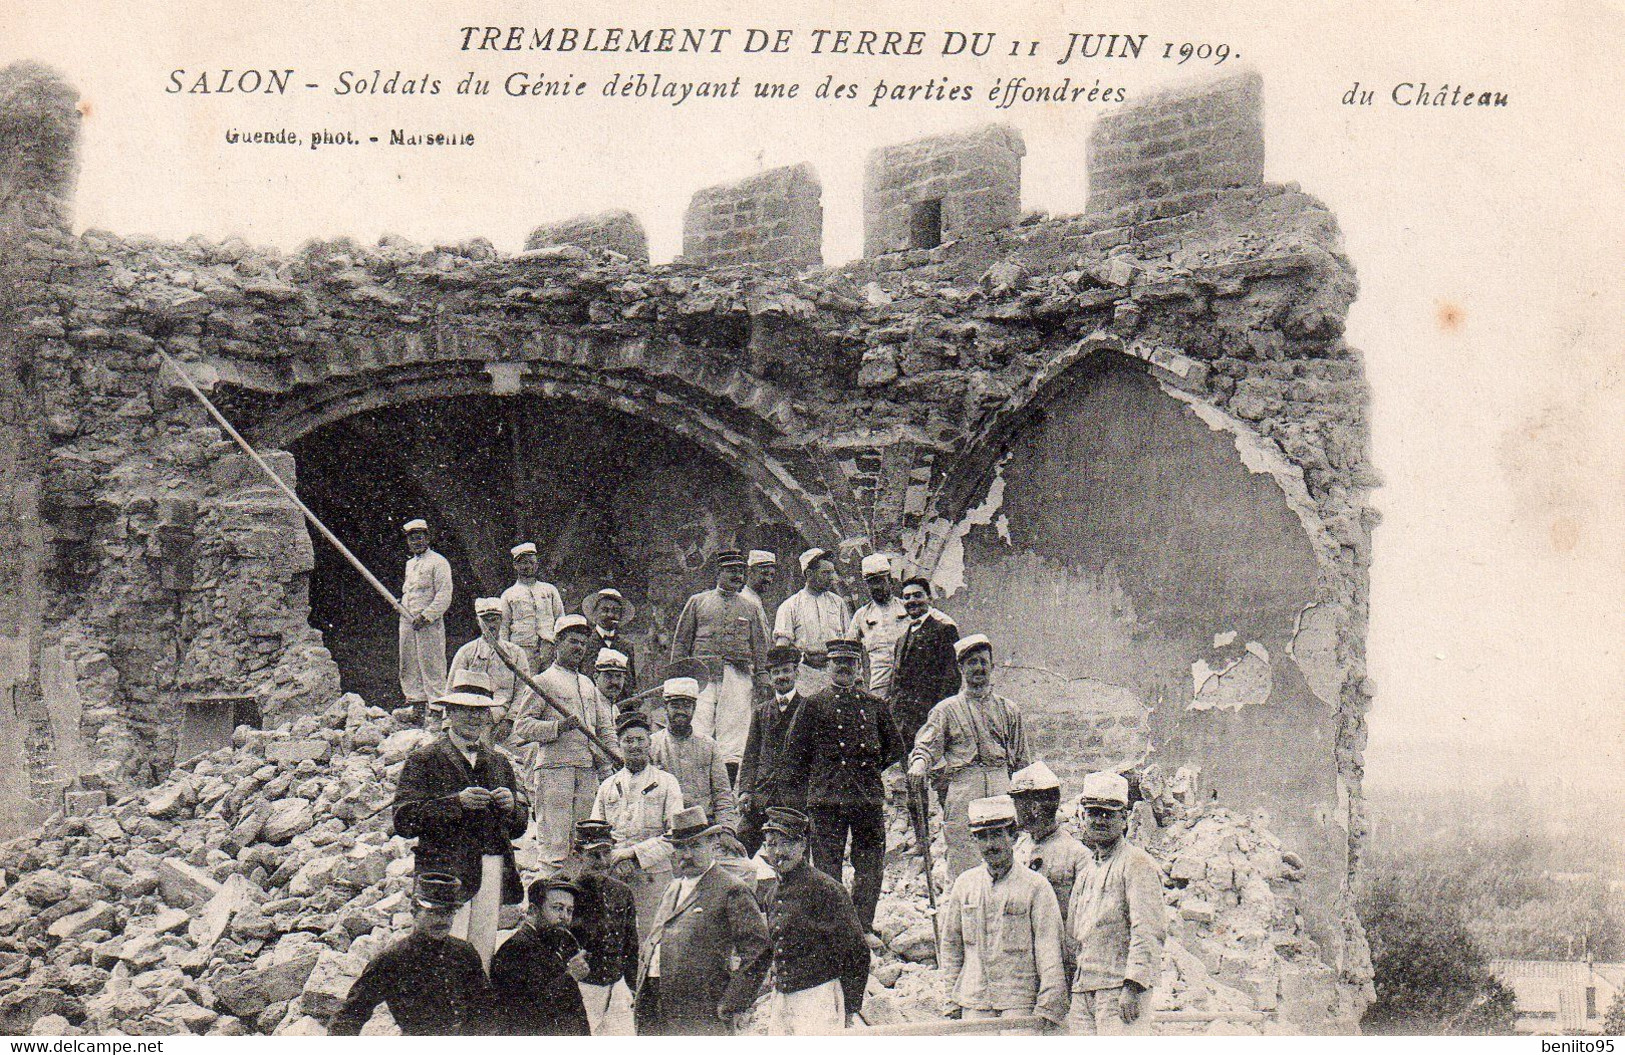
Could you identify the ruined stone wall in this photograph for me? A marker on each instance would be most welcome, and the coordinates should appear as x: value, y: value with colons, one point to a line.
x: 1131, y: 445
x: 941, y: 188
x: 772, y: 217
x: 616, y: 231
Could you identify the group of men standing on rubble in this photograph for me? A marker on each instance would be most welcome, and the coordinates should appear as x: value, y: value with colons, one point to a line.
x: 707, y: 858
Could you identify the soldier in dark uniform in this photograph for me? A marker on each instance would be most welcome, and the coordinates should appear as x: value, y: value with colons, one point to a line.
x: 840, y: 741
x: 764, y: 779
x: 820, y: 959
x: 534, y: 973
x: 606, y: 925
x: 433, y: 983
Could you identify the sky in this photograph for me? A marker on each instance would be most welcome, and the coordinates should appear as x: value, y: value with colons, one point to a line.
x: 1487, y: 242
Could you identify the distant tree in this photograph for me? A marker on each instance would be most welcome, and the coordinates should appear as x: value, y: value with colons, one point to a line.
x: 1430, y: 975
x: 1613, y: 1023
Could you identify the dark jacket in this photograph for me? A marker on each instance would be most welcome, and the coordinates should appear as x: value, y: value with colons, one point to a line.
x: 433, y: 986
x: 699, y: 938
x: 838, y: 745
x: 817, y: 936
x: 606, y: 925
x: 532, y: 995
x: 451, y: 839
x: 763, y: 773
x: 926, y: 671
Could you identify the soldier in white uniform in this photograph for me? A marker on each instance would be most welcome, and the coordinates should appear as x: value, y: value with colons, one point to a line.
x: 639, y: 803
x: 760, y: 567
x: 480, y: 656
x: 811, y: 618
x: 565, y: 770
x: 426, y: 595
x: 1045, y: 846
x: 879, y: 624
x: 530, y: 608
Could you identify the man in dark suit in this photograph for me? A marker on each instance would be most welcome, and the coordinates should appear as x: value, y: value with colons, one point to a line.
x: 433, y: 983
x: 926, y: 671
x: 458, y: 798
x: 820, y: 958
x: 764, y: 778
x: 534, y: 974
x: 606, y: 925
x: 707, y: 921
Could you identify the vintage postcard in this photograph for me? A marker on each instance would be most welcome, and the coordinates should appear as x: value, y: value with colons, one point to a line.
x: 783, y: 519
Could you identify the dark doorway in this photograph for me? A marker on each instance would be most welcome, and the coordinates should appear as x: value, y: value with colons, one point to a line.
x: 925, y: 224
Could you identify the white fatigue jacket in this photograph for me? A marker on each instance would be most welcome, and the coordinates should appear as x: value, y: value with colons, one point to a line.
x: 529, y: 611
x: 480, y: 656
x: 879, y: 627
x: 538, y: 725
x: 1001, y: 944
x: 426, y: 590
x: 1059, y: 859
x: 810, y: 621
x: 1118, y: 920
x: 640, y: 806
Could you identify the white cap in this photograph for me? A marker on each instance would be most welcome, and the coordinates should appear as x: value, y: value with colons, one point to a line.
x: 570, y: 622
x: 1104, y: 789
x: 465, y: 699
x: 488, y: 606
x: 524, y: 549
x: 687, y: 688
x: 471, y: 681
x: 808, y: 556
x: 612, y: 659
x: 1036, y: 777
x: 996, y: 811
x: 876, y: 564
x: 414, y: 525
x: 758, y: 557
x: 966, y: 645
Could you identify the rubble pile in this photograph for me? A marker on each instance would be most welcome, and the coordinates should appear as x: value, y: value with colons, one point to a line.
x: 241, y: 896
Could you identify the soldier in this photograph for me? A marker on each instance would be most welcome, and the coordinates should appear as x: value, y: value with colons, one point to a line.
x: 760, y: 567
x: 820, y: 958
x: 693, y: 758
x: 611, y: 671
x: 460, y: 800
x: 971, y: 741
x: 639, y: 802
x: 564, y: 769
x: 703, y: 961
x: 765, y: 779
x: 534, y: 974
x: 606, y: 926
x: 925, y: 671
x: 720, y: 624
x: 480, y: 656
x: 880, y: 624
x: 530, y: 607
x: 811, y: 618
x: 608, y: 611
x: 433, y: 983
x: 1117, y: 918
x: 841, y: 740
x: 1044, y: 846
x: 1001, y: 929
x: 426, y: 596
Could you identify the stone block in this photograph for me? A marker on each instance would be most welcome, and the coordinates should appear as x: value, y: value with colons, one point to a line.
x: 182, y: 884
x: 236, y: 895
x: 292, y: 752
x: 289, y: 817
x: 735, y: 223
x: 919, y: 194
x: 282, y: 972
x: 99, y: 916
x: 329, y: 983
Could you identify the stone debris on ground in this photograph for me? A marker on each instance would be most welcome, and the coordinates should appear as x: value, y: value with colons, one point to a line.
x: 245, y: 894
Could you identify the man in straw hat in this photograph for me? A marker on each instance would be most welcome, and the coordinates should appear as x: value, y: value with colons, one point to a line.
x: 840, y: 743
x: 565, y: 772
x: 820, y: 958
x: 1117, y: 918
x: 1001, y: 929
x: 606, y: 925
x: 722, y: 625
x: 608, y: 611
x: 480, y: 656
x: 703, y: 961
x: 530, y: 607
x: 971, y: 742
x: 426, y: 596
x: 880, y: 623
x: 811, y: 618
x: 638, y: 803
x: 433, y: 983
x: 692, y: 757
x: 460, y: 800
